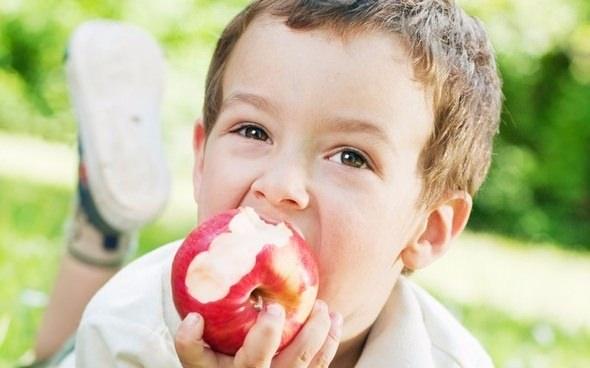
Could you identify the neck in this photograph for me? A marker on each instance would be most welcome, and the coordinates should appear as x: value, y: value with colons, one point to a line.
x: 350, y: 351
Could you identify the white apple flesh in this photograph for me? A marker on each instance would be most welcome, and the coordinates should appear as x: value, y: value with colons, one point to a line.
x: 232, y: 266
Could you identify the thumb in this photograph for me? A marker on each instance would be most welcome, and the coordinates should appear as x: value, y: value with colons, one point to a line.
x: 189, y: 343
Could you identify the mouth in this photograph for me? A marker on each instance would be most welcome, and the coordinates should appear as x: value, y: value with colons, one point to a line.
x: 276, y: 220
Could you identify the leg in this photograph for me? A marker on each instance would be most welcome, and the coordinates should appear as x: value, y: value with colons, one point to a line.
x: 75, y: 284
x: 115, y: 75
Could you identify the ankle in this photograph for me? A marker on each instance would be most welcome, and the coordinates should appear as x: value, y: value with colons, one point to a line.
x: 98, y: 246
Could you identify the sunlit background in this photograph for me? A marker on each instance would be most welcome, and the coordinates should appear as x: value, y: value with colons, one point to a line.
x: 519, y: 278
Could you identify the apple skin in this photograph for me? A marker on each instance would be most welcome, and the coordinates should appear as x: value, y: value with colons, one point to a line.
x: 287, y: 275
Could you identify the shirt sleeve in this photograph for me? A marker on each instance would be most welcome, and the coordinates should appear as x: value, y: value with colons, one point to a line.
x: 104, y: 341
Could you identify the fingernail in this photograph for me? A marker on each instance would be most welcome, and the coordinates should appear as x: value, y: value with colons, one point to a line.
x: 274, y: 309
x: 337, y: 318
x: 320, y: 306
x: 193, y: 319
x: 337, y: 322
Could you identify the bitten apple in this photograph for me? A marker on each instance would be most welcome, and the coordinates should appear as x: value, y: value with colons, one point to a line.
x: 233, y: 265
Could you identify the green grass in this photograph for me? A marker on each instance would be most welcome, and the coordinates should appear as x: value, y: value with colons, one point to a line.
x: 522, y: 343
x: 32, y: 222
x: 32, y: 218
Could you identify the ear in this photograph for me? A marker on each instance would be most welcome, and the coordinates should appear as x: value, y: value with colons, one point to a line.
x: 199, y: 138
x: 443, y: 224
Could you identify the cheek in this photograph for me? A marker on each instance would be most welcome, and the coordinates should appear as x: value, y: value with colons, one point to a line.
x: 356, y: 267
x: 367, y: 240
x: 224, y: 183
x: 355, y: 240
x: 361, y: 238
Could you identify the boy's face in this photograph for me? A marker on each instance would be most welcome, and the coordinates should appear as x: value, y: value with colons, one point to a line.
x: 324, y: 133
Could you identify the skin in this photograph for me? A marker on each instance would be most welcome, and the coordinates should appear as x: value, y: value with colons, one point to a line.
x: 329, y: 142
x: 67, y: 303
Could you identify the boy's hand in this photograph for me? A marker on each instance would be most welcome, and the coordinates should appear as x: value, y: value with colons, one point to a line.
x: 314, y: 346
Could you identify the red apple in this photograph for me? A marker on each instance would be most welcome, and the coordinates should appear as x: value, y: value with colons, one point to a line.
x: 233, y: 265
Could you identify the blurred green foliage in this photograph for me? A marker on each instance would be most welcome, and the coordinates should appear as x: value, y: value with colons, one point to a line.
x: 539, y: 185
x: 32, y: 219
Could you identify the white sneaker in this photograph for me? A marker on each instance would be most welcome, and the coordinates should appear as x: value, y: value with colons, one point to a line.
x: 115, y: 75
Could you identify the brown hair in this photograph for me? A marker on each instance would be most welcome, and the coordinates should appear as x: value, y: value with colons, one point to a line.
x: 451, y: 55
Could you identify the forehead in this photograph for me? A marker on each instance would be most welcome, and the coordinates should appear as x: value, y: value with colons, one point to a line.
x: 317, y: 73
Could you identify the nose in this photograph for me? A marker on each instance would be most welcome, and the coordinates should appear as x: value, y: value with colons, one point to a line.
x: 283, y: 185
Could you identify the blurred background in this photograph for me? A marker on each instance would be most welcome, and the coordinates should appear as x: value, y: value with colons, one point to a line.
x: 519, y: 278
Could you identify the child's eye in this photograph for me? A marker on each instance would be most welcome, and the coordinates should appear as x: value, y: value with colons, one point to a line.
x: 252, y: 131
x: 351, y: 158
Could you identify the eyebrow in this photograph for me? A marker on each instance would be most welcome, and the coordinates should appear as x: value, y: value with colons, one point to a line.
x: 257, y: 101
x: 352, y: 125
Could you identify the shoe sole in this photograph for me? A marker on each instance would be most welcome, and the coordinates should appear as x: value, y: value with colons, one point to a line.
x: 115, y: 74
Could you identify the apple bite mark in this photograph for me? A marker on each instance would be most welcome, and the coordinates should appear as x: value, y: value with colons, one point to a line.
x: 232, y: 255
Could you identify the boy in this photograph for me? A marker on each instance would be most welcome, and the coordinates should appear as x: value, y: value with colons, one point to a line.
x: 367, y: 124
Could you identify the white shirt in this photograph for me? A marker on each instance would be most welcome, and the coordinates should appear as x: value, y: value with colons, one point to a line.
x: 131, y: 322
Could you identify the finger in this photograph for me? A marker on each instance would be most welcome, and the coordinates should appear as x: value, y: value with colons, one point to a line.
x: 263, y: 339
x: 308, y: 341
x: 190, y: 346
x: 328, y: 351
